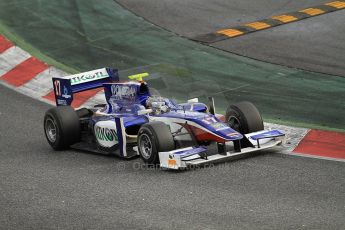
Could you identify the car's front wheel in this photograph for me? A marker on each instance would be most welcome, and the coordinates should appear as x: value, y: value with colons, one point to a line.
x: 244, y: 117
x: 154, y: 137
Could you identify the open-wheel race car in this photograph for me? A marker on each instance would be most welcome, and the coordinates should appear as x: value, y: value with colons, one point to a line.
x: 135, y: 122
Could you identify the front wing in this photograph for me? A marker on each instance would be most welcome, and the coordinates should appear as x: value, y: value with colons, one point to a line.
x: 194, y: 156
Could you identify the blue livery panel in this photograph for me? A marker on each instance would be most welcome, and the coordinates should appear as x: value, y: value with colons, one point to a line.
x: 267, y: 134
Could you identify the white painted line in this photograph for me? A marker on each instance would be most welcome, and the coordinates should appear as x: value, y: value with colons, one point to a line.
x: 11, y: 58
x: 42, y: 84
x: 313, y: 156
x: 293, y: 135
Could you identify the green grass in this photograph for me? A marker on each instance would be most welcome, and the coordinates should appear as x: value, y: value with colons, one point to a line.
x: 81, y: 35
x: 18, y: 41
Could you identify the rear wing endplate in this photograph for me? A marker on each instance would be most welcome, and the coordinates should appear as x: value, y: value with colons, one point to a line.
x: 65, y: 87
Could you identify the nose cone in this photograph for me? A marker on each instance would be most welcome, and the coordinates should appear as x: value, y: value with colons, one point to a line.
x: 220, y: 129
x: 225, y: 131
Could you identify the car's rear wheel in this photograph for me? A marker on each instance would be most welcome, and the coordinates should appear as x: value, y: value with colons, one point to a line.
x: 154, y: 137
x: 61, y: 127
x: 244, y: 117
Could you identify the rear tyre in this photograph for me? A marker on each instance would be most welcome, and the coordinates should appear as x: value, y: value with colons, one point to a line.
x: 244, y: 117
x: 154, y: 137
x: 61, y: 127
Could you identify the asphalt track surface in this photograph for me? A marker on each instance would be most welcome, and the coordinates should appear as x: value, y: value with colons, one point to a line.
x: 314, y: 44
x: 40, y: 188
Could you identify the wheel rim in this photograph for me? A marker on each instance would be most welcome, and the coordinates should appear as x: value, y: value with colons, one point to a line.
x: 234, y: 123
x: 145, y: 146
x: 50, y: 128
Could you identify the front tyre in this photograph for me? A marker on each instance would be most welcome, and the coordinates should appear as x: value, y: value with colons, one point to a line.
x: 244, y: 117
x: 154, y: 137
x: 61, y: 127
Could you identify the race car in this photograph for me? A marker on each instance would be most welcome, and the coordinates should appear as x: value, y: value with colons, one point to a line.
x: 134, y: 121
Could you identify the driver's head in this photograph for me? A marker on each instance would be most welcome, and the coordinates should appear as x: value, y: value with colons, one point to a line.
x: 156, y: 103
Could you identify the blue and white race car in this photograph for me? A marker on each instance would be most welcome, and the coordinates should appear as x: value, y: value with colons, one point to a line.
x: 134, y: 122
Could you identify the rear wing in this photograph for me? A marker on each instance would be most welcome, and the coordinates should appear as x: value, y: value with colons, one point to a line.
x: 65, y: 87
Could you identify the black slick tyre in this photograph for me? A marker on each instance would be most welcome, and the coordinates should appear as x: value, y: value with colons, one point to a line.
x: 244, y: 117
x: 154, y: 137
x: 61, y: 127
